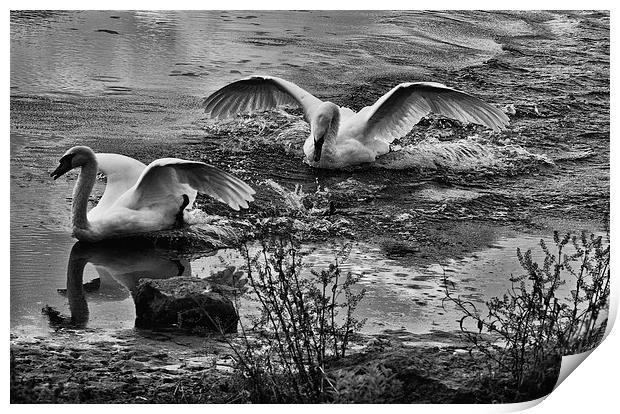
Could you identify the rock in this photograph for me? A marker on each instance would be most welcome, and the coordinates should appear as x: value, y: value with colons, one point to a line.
x: 171, y: 367
x: 403, y: 217
x: 183, y: 302
x: 128, y: 365
x: 228, y: 281
x: 510, y: 109
x: 197, y: 363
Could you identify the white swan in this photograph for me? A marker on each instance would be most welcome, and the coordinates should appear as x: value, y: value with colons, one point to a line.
x: 140, y: 198
x: 338, y: 135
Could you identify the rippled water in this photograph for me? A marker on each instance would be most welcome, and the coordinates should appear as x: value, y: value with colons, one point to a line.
x: 132, y: 82
x: 398, y: 296
x: 119, y: 52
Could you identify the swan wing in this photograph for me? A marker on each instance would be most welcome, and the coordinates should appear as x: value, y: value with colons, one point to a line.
x: 121, y: 172
x: 173, y: 176
x: 258, y: 93
x: 396, y: 112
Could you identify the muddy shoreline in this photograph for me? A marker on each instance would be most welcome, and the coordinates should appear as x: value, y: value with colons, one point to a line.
x: 167, y: 367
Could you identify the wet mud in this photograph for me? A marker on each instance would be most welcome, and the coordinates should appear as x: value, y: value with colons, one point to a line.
x: 159, y: 367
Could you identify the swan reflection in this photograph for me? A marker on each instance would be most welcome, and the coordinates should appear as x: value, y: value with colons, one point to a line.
x: 119, y: 267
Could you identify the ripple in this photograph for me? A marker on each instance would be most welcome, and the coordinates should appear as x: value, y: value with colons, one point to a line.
x: 114, y: 32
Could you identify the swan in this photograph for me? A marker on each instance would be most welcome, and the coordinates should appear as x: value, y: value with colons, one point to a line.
x: 139, y: 198
x: 339, y: 136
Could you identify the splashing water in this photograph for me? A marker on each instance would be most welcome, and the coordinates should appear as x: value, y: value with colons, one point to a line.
x: 464, y: 155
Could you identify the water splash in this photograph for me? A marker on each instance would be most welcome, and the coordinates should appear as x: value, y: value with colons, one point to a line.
x: 471, y: 155
x: 293, y: 200
x: 463, y: 156
x: 202, y: 233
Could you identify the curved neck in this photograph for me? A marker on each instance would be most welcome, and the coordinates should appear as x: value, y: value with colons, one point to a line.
x: 334, y: 124
x: 75, y: 290
x: 81, y: 193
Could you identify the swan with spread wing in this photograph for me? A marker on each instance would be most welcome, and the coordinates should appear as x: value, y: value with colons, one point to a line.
x: 140, y: 198
x: 339, y: 136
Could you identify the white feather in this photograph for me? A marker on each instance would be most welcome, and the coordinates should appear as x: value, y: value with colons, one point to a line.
x: 140, y: 198
x: 353, y: 138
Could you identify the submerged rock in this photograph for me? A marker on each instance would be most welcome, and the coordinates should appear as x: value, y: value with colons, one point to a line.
x: 185, y: 303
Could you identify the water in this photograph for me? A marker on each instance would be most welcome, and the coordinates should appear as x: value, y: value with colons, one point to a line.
x: 175, y: 50
x: 398, y: 297
x: 132, y: 82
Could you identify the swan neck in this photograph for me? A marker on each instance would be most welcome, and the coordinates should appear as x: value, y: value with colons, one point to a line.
x: 334, y: 124
x: 75, y: 291
x: 81, y: 193
x: 333, y: 127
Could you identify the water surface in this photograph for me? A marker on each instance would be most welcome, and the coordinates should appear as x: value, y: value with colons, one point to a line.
x: 132, y: 82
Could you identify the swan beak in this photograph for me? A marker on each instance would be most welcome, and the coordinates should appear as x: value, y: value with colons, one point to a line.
x: 64, y: 167
x: 318, y: 147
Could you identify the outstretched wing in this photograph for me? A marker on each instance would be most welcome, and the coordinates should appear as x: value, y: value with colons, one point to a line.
x: 168, y: 176
x: 121, y: 173
x: 258, y: 93
x: 396, y: 112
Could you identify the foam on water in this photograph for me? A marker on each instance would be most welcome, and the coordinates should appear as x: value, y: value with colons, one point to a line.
x: 470, y: 155
x: 462, y: 156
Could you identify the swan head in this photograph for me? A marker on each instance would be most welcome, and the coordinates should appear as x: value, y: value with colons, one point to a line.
x: 325, y: 124
x: 73, y: 158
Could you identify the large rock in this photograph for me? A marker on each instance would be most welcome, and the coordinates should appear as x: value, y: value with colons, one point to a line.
x: 183, y: 302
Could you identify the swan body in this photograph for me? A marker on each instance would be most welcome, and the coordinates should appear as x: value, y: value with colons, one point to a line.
x: 339, y: 136
x: 140, y: 198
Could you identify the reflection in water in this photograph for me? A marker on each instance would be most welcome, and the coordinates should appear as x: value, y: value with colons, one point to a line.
x: 120, y: 267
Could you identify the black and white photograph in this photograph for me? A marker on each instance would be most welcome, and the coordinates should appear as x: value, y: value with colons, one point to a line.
x: 306, y: 206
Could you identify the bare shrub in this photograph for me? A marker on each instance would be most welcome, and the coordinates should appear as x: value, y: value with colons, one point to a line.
x: 533, y: 324
x: 305, y: 321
